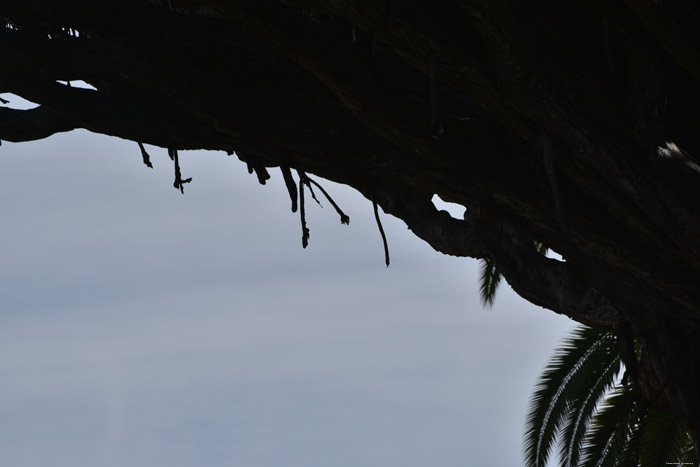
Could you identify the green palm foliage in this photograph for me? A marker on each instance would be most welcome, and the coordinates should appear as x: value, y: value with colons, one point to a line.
x: 576, y: 379
x: 626, y: 433
x: 489, y: 278
x: 580, y: 405
x: 583, y: 411
x: 611, y: 430
x: 665, y: 440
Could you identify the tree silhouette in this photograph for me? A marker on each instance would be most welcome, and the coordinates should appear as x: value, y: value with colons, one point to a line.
x: 569, y: 123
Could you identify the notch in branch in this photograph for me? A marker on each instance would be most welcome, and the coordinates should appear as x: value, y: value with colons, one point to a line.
x: 381, y: 231
x: 179, y: 182
x: 144, y: 154
x: 291, y: 185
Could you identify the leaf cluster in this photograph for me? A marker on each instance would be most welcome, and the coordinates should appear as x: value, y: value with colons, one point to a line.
x: 583, y: 410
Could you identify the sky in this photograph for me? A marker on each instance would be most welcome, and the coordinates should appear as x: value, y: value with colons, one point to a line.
x: 142, y: 327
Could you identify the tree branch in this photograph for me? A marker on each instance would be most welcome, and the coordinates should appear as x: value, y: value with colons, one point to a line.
x: 32, y: 124
x: 543, y: 281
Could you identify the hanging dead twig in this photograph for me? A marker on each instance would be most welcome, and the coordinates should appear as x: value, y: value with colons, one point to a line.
x: 381, y: 231
x: 302, y: 213
x: 254, y: 165
x: 344, y: 218
x: 260, y: 172
x: 144, y: 154
x: 179, y: 182
x: 291, y: 185
x: 305, y: 180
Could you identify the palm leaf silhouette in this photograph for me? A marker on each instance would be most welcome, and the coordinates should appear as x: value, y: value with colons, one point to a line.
x: 596, y: 378
x: 489, y: 278
x: 594, y: 418
x: 664, y: 439
x: 611, y: 429
x: 582, y: 408
x: 565, y: 398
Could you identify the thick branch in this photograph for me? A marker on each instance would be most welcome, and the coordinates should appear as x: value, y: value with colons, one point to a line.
x: 599, y: 164
x: 32, y: 124
x: 444, y: 233
x: 543, y: 281
x: 243, y: 118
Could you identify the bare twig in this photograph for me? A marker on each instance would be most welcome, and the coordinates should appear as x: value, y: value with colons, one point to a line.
x: 344, y: 218
x: 260, y: 172
x: 381, y: 231
x: 254, y: 165
x: 305, y: 179
x: 291, y: 185
x: 144, y: 154
x: 179, y: 182
x: 302, y: 213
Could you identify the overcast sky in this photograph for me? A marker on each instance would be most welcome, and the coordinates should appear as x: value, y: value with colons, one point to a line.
x: 141, y: 327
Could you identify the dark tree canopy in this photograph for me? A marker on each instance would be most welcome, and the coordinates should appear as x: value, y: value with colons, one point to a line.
x: 570, y: 123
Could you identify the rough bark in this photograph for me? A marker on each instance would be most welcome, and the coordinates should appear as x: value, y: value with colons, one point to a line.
x: 569, y: 123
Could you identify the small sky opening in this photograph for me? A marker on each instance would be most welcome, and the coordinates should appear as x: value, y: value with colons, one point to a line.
x: 13, y: 101
x: 455, y: 210
x: 77, y: 84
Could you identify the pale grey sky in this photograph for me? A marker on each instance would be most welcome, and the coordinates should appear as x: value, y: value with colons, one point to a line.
x: 140, y: 327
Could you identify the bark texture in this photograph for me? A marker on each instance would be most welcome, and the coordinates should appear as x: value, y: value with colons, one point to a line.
x: 573, y: 123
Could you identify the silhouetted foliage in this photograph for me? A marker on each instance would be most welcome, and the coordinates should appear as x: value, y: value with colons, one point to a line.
x: 594, y: 417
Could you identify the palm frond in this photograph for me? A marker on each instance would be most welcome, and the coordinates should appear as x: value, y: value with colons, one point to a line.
x: 689, y: 454
x: 664, y: 437
x: 632, y: 450
x: 565, y: 382
x: 595, y: 379
x: 595, y: 421
x: 610, y: 429
x: 489, y: 278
